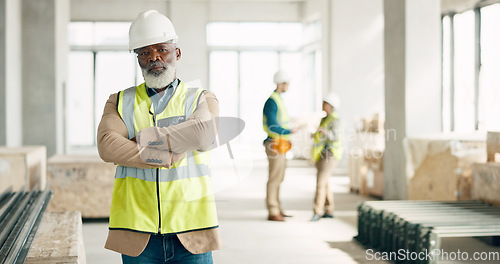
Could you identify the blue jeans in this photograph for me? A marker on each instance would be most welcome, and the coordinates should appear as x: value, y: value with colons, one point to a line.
x: 167, y: 249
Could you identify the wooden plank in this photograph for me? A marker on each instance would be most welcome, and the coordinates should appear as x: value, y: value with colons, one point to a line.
x: 59, y: 239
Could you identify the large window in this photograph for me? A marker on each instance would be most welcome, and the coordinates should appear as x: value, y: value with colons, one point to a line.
x: 447, y: 74
x: 464, y: 95
x: 471, y: 66
x: 99, y: 65
x: 243, y: 60
x: 489, y: 81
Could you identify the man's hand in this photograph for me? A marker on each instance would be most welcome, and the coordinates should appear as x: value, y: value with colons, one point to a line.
x: 297, y: 129
x: 322, y: 131
x: 158, y: 157
x: 152, y: 137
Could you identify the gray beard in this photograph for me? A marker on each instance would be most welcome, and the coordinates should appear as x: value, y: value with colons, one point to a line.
x: 159, y: 81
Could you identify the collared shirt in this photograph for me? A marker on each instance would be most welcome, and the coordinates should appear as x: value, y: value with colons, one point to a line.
x: 160, y: 100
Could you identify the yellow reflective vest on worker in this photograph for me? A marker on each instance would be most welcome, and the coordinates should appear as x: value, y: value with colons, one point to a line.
x: 281, y: 116
x: 321, y: 142
x: 175, y: 200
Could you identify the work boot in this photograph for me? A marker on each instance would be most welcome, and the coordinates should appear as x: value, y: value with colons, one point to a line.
x: 315, y: 217
x: 327, y: 216
x: 278, y: 218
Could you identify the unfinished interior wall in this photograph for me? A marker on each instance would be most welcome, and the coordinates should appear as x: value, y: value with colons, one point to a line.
x: 412, y: 57
x: 44, y: 48
x: 190, y: 19
x: 3, y: 98
x: 357, y: 63
x: 10, y: 73
x: 114, y: 10
x: 320, y: 10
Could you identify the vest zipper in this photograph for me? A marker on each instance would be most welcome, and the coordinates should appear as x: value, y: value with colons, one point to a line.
x: 157, y: 183
x: 158, y: 197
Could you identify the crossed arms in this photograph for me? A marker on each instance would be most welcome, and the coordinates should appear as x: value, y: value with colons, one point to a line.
x: 196, y: 133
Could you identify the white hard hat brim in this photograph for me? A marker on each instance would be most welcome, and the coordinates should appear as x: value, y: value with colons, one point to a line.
x: 333, y: 100
x: 152, y: 41
x: 281, y: 77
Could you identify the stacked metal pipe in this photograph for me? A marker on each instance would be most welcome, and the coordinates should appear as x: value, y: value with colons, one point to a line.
x: 416, y: 227
x: 20, y: 215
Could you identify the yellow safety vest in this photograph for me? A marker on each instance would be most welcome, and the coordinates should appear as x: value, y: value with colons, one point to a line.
x: 281, y: 116
x: 175, y: 200
x: 321, y: 142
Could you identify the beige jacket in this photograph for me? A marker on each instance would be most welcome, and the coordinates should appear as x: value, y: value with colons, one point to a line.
x: 114, y: 146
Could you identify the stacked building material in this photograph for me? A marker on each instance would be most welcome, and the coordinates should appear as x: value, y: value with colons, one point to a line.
x: 20, y: 216
x: 416, y: 227
x: 81, y: 183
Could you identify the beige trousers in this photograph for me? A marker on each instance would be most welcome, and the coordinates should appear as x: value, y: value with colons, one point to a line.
x: 323, y: 200
x: 277, y: 166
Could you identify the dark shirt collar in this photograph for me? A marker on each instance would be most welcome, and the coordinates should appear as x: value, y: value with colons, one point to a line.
x: 173, y: 84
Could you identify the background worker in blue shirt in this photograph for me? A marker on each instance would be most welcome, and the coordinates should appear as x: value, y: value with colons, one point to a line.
x: 277, y: 143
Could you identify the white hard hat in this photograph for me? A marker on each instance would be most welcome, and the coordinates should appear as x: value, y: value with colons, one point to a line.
x: 151, y: 27
x: 332, y: 99
x: 281, y: 77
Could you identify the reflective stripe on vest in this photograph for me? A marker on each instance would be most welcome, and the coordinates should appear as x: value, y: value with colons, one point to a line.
x: 281, y: 117
x: 184, y: 189
x: 320, y: 140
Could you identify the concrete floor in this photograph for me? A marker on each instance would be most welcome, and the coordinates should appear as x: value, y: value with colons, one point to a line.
x: 249, y: 238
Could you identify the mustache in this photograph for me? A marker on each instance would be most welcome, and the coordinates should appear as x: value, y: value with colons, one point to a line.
x: 156, y: 64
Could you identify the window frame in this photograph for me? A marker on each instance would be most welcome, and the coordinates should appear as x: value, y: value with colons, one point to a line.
x: 94, y: 49
x: 452, y: 71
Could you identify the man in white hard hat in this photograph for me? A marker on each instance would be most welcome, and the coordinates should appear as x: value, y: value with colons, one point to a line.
x: 158, y: 133
x: 277, y: 143
x: 325, y: 153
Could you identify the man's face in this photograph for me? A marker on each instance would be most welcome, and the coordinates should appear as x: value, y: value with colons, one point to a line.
x: 327, y: 107
x: 158, y: 63
x: 283, y: 87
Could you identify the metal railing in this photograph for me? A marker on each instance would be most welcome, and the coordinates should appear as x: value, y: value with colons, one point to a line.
x: 418, y: 226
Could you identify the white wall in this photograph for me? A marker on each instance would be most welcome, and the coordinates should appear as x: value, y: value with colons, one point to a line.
x: 190, y: 19
x: 62, y: 19
x: 113, y: 10
x: 3, y: 97
x: 358, y: 61
x: 321, y: 10
x: 256, y: 11
x: 423, y: 67
x: 13, y: 82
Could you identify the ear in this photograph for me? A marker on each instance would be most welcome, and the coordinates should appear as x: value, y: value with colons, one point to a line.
x: 178, y: 53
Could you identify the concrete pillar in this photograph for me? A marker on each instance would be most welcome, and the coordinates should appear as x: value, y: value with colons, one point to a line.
x: 3, y: 62
x: 44, y: 51
x: 412, y: 82
x: 190, y: 19
x: 10, y: 73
